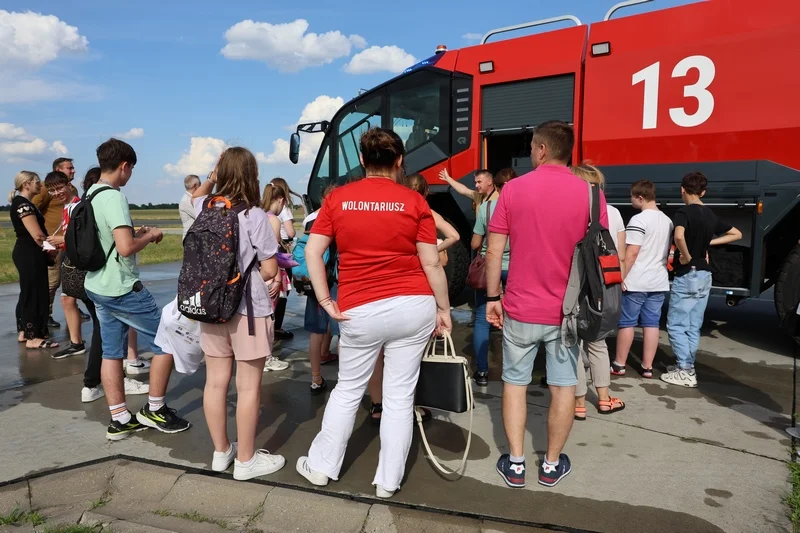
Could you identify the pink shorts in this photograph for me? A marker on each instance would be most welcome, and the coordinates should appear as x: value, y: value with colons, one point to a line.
x: 232, y: 339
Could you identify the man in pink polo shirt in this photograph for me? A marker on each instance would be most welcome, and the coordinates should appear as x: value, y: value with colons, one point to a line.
x: 544, y: 214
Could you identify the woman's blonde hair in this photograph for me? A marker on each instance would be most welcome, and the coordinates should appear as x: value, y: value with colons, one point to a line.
x: 237, y: 176
x: 416, y: 182
x: 272, y: 193
x: 287, y: 192
x: 589, y: 173
x: 23, y: 177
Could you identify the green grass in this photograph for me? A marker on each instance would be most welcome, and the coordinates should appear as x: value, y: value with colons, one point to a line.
x: 194, y: 516
x: 168, y: 250
x: 155, y: 214
x: 18, y: 516
x: 104, y: 499
x: 792, y: 500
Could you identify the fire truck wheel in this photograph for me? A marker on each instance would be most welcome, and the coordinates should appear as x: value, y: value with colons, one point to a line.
x: 787, y: 287
x: 456, y: 269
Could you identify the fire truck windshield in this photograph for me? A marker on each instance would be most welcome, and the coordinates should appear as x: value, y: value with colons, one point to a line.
x: 416, y: 106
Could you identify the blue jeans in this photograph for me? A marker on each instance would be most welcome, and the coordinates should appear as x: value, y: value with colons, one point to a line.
x: 137, y: 310
x: 480, y: 333
x: 687, y: 306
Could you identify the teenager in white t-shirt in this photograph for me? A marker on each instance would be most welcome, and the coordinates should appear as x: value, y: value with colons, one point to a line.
x: 646, y: 280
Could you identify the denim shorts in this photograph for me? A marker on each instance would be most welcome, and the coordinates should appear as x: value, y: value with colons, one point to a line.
x: 521, y: 343
x: 641, y: 309
x: 137, y: 310
x: 317, y: 319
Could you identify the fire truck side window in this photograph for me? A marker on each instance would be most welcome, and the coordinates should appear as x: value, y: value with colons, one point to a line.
x: 349, y: 129
x: 419, y: 112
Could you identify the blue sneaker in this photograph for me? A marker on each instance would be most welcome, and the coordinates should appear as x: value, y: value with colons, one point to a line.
x: 549, y: 475
x: 512, y: 473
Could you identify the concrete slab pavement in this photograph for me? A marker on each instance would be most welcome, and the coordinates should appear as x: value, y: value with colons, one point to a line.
x: 710, y: 459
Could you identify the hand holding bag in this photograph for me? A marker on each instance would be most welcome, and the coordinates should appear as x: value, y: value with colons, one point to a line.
x: 476, y: 276
x: 444, y: 384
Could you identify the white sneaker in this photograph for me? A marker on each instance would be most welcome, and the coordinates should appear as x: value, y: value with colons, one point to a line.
x: 89, y: 395
x: 679, y: 376
x: 136, y: 387
x: 380, y: 492
x: 137, y: 366
x: 222, y: 460
x: 274, y: 364
x: 316, y: 478
x: 265, y: 463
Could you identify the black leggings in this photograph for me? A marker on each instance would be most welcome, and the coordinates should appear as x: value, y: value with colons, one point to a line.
x: 280, y: 307
x: 91, y: 377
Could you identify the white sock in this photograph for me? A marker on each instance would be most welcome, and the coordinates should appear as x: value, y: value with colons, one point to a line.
x: 156, y: 402
x: 551, y: 463
x: 120, y: 413
x: 520, y: 459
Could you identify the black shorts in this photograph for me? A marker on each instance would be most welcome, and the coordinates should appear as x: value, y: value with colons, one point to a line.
x: 72, y: 280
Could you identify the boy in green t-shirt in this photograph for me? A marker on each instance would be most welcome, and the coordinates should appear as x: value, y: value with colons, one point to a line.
x: 123, y: 302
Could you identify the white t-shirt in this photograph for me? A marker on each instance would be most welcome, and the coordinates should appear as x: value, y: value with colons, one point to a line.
x: 652, y: 230
x: 615, y: 223
x: 309, y: 218
x: 284, y: 216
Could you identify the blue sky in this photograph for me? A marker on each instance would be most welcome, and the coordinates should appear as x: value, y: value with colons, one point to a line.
x: 183, y: 78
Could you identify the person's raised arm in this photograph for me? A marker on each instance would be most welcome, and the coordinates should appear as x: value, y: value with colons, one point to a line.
x: 451, y: 236
x: 207, y: 187
x: 460, y: 188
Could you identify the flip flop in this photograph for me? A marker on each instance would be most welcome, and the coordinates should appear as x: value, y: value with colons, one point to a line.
x: 45, y: 344
x: 376, y: 409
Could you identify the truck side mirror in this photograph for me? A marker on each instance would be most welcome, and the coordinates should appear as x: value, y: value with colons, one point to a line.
x: 294, y: 148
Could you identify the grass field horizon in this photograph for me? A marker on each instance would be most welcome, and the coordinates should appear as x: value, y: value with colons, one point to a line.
x: 167, y: 251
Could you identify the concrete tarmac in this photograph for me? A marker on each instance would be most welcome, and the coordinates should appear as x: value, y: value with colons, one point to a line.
x: 709, y: 459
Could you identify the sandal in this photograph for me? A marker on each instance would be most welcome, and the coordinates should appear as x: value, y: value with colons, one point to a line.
x: 376, y: 409
x: 647, y: 373
x: 580, y: 413
x: 617, y: 369
x: 45, y: 344
x: 610, y: 404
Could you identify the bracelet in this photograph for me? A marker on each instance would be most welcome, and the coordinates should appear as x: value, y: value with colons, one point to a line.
x: 494, y: 298
x: 324, y: 301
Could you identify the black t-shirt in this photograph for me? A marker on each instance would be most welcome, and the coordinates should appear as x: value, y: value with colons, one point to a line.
x: 701, y: 225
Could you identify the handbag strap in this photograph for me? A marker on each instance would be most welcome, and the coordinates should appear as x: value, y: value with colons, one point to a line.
x: 448, y: 343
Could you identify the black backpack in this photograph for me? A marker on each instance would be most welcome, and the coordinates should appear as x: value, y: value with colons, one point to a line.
x: 82, y: 240
x: 593, y: 300
x: 210, y: 284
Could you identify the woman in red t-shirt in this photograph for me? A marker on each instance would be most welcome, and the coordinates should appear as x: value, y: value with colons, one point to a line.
x: 392, y: 295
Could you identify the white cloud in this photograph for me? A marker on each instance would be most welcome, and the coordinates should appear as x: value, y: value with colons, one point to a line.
x: 200, y: 159
x: 10, y: 131
x: 472, y: 36
x: 36, y: 146
x: 323, y: 107
x: 287, y: 47
x: 380, y: 59
x: 16, y: 142
x: 34, y: 39
x: 59, y: 148
x: 133, y: 133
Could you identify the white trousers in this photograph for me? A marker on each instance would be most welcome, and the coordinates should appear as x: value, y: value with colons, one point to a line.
x: 402, y: 326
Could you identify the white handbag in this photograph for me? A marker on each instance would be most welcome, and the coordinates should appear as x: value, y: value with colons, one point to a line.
x: 444, y: 384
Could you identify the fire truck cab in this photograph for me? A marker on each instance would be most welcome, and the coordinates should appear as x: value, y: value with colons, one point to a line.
x: 708, y: 86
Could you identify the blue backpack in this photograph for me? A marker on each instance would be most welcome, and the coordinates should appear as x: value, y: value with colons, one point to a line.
x: 302, y: 281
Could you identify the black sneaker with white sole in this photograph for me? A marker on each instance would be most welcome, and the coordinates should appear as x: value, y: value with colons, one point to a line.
x: 165, y: 419
x: 69, y: 351
x: 481, y: 378
x: 118, y: 431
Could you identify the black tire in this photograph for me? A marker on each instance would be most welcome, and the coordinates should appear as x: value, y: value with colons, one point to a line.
x: 787, y: 286
x: 456, y: 269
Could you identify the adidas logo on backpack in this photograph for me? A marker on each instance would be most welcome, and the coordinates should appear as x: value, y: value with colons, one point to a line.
x: 193, y: 305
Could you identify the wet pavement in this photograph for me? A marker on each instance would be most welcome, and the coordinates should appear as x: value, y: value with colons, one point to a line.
x: 709, y: 459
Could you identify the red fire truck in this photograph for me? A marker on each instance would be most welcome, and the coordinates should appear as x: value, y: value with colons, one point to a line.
x: 711, y: 86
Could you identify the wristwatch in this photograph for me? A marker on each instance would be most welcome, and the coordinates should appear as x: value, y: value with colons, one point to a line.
x: 494, y: 298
